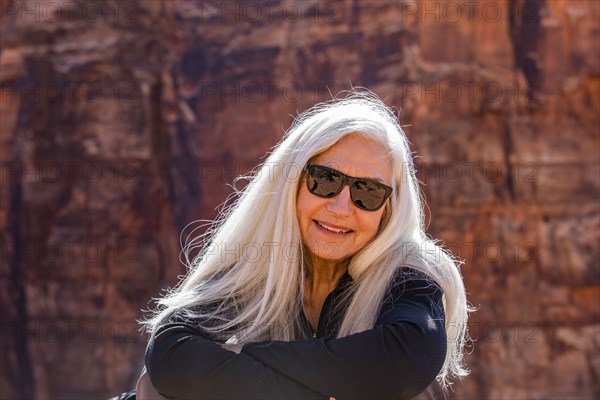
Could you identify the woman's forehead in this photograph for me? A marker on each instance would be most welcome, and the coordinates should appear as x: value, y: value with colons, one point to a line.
x: 358, y: 156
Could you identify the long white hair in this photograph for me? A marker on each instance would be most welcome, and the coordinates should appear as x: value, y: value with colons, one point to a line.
x: 247, y: 280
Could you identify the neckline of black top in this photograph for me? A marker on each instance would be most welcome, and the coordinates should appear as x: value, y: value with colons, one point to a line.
x: 332, y: 311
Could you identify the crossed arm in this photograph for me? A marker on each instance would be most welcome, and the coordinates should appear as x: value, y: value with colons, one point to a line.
x: 398, y: 358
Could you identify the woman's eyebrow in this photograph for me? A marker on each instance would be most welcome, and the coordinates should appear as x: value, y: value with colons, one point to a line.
x: 333, y: 166
x: 371, y: 178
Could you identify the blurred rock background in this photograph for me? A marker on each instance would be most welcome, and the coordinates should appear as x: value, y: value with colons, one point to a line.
x: 123, y: 121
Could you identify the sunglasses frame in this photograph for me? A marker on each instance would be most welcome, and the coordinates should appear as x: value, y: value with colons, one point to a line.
x: 348, y: 180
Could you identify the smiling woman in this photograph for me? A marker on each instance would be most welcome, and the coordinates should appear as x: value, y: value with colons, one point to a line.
x: 362, y: 287
x: 332, y: 226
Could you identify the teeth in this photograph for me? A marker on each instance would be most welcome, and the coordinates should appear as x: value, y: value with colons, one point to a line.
x: 333, y: 229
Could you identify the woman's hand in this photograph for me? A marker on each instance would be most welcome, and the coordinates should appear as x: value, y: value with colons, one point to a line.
x: 144, y: 389
x: 236, y: 348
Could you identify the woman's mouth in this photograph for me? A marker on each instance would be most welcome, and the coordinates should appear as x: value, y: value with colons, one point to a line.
x: 332, y: 229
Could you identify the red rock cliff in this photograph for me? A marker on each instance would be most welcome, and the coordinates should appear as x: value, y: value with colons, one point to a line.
x: 123, y: 121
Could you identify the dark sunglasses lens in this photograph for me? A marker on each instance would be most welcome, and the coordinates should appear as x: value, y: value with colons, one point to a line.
x: 368, y: 195
x: 324, y: 182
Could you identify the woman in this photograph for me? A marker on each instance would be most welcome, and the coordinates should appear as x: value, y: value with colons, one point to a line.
x: 319, y: 281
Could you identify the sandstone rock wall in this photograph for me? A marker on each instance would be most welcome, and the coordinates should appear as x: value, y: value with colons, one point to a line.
x: 122, y: 121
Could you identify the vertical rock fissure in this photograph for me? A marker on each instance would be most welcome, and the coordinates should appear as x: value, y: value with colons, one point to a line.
x: 508, y: 151
x: 24, y: 374
x: 525, y: 32
x: 162, y: 150
x: 183, y: 171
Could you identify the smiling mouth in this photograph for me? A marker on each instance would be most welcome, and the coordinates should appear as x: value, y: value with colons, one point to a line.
x: 332, y: 229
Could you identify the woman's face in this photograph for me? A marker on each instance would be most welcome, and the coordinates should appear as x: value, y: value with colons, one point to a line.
x: 333, y: 229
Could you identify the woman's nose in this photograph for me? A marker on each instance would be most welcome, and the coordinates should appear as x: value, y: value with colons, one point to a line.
x: 342, y: 203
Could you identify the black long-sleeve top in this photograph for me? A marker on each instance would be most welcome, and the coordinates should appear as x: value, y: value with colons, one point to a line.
x: 396, y: 359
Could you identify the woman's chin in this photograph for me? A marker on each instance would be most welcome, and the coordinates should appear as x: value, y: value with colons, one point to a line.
x: 329, y: 255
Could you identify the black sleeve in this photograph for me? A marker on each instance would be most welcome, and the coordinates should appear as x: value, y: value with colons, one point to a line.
x: 183, y: 363
x: 397, y: 359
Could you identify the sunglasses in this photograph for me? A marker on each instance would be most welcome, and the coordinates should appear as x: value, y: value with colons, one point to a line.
x: 366, y: 194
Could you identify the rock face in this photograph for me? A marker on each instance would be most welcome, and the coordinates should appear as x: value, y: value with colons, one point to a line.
x: 121, y: 122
